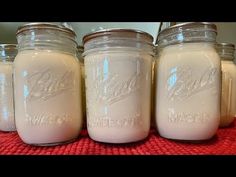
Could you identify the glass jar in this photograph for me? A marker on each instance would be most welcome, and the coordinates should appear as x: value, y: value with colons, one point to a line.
x: 80, y: 50
x: 47, y: 85
x: 228, y: 94
x: 118, y: 84
x: 7, y: 56
x: 188, y: 82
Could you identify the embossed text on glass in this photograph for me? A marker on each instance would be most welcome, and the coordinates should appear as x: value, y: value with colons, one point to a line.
x: 46, y: 84
x: 182, y: 84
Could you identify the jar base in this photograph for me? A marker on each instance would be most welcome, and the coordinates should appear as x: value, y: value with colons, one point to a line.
x: 119, y: 142
x: 7, y: 131
x: 53, y: 144
x: 213, y: 138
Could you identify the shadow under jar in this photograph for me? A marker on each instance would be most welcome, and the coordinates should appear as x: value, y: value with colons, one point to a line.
x: 7, y: 56
x: 118, y: 84
x: 228, y: 91
x: 47, y: 85
x: 188, y: 82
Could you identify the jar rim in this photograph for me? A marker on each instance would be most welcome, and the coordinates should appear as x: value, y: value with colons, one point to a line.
x: 44, y: 25
x: 121, y: 32
x: 8, y: 52
x: 206, y: 25
x: 8, y: 46
x: 226, y: 45
x: 185, y: 27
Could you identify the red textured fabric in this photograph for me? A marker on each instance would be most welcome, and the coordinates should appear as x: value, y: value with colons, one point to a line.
x: 223, y: 143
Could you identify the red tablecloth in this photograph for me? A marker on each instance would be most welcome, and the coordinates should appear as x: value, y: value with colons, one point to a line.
x: 223, y: 143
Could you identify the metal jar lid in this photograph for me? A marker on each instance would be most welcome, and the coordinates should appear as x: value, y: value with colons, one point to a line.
x: 225, y: 50
x: 187, y: 27
x: 8, y: 46
x: 225, y: 45
x: 44, y: 25
x: 8, y: 52
x: 120, y: 33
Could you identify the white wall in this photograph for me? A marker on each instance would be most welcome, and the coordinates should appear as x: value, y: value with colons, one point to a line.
x: 8, y: 29
x: 226, y: 32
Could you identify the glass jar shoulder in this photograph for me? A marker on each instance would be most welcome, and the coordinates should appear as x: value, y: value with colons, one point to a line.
x: 186, y: 47
x: 47, y: 57
x: 230, y: 67
x: 190, y: 53
x: 117, y: 50
x: 6, y: 64
x: 117, y: 55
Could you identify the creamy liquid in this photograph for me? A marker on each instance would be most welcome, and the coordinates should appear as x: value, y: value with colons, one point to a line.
x: 47, y: 97
x: 188, y: 92
x: 118, y: 90
x: 228, y: 95
x: 7, y: 122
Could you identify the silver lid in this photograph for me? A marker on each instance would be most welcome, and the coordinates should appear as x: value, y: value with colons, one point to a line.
x: 119, y: 32
x: 189, y: 25
x: 226, y: 45
x: 8, y: 46
x: 44, y: 25
x: 225, y: 51
x: 188, y: 32
x: 8, y: 52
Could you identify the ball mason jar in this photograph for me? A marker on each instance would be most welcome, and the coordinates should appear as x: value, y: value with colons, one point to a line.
x: 188, y: 82
x: 47, y: 85
x: 7, y: 56
x: 228, y: 91
x: 118, y: 84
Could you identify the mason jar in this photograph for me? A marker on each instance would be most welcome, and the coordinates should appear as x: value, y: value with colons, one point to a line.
x: 188, y: 82
x: 47, y: 85
x: 118, y: 84
x: 228, y: 92
x: 7, y: 56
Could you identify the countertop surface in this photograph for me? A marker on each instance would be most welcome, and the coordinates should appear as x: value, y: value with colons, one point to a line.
x: 223, y: 143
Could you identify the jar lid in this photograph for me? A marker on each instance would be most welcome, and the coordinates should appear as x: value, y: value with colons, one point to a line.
x: 8, y: 52
x: 121, y: 33
x: 187, y: 32
x: 225, y: 45
x: 44, y: 25
x: 225, y: 50
x: 8, y: 46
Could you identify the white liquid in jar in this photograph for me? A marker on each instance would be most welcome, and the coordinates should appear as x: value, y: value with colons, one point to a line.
x: 118, y: 90
x: 188, y: 92
x: 47, y: 96
x: 228, y: 95
x: 7, y: 122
